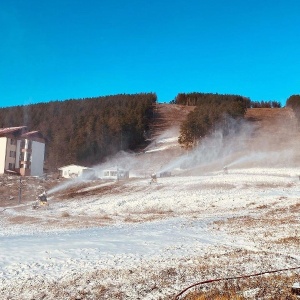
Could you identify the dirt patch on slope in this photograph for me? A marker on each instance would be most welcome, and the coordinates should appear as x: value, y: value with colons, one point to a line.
x: 15, y: 190
x: 276, y: 127
x: 168, y: 116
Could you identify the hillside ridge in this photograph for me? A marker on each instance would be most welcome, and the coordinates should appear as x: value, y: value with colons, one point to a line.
x: 277, y: 121
x: 269, y: 137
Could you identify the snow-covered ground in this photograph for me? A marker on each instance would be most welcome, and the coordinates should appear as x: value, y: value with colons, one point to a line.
x: 136, y: 240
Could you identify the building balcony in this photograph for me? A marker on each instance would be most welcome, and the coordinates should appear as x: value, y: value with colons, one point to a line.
x: 28, y: 150
x: 27, y: 163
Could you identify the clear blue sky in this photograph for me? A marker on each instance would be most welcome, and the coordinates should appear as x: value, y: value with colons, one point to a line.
x: 62, y: 49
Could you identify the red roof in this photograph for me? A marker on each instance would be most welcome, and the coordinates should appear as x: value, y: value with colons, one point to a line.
x: 21, y: 132
x: 12, y: 130
x: 33, y: 134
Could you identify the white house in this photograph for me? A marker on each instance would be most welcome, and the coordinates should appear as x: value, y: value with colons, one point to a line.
x: 73, y: 171
x: 115, y: 174
x: 21, y: 152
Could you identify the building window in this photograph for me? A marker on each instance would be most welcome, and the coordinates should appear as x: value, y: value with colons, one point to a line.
x: 12, y: 153
x: 22, y: 156
x: 13, y: 142
x: 11, y: 166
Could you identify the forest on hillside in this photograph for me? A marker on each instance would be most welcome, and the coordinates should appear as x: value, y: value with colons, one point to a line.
x: 211, y: 110
x: 85, y: 131
x: 293, y: 102
x: 194, y: 99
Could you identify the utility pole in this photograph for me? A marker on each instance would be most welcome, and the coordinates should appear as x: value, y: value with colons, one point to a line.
x: 121, y: 139
x: 20, y: 190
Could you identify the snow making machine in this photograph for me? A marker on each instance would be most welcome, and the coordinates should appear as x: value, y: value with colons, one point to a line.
x: 42, y: 201
x: 153, y: 178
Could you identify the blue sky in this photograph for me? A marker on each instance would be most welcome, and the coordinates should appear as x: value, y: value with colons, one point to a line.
x: 62, y: 49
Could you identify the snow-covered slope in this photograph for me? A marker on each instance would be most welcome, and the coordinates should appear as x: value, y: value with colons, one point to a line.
x: 150, y: 228
x: 138, y: 239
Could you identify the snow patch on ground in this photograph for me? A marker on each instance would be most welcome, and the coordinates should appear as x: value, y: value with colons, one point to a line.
x: 232, y: 223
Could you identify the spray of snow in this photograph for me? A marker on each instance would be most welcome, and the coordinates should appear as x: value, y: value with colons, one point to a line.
x: 217, y: 148
x: 65, y: 185
x: 242, y: 146
x: 261, y: 157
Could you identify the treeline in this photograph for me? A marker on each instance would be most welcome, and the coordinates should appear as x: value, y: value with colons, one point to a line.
x: 265, y: 104
x: 85, y: 131
x: 294, y: 103
x: 194, y: 99
x: 211, y: 110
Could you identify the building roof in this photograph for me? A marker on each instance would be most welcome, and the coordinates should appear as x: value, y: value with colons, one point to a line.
x: 72, y: 165
x: 21, y: 132
x: 114, y: 169
x: 33, y: 135
x: 12, y: 130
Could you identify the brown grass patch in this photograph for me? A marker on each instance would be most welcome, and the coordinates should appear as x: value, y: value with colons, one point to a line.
x: 289, y: 240
x: 213, y: 296
x: 267, y: 185
x: 286, y: 213
x: 65, y: 214
x: 101, y: 290
x: 245, y: 220
x: 23, y: 219
x: 31, y: 188
x: 147, y: 214
x: 212, y: 186
x: 272, y: 287
x: 295, y: 208
x: 105, y: 218
x: 271, y: 218
x: 82, y: 190
x: 262, y: 206
x: 130, y: 219
x: 156, y: 211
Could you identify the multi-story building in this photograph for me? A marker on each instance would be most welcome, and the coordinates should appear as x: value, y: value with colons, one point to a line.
x: 21, y: 152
